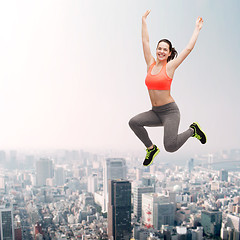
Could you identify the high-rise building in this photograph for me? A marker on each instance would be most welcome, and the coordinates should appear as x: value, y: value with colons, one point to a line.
x: 2, y: 157
x: 59, y: 176
x: 234, y: 221
x: 210, y: 161
x: 139, y: 173
x: 137, y: 199
x: 211, y: 222
x: 44, y: 170
x: 157, y: 210
x: 113, y: 168
x: 6, y: 224
x: 92, y: 183
x: 119, y: 210
x: 223, y: 175
x: 190, y: 165
x: 163, y: 214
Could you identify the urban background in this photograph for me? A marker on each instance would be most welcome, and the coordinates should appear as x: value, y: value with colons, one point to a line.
x: 74, y: 194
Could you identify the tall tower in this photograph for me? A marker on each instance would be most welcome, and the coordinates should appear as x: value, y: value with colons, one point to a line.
x: 190, y: 165
x: 210, y: 161
x: 2, y: 157
x: 223, y: 175
x: 114, y: 168
x: 6, y: 224
x: 92, y: 183
x: 59, y: 176
x: 137, y: 199
x: 119, y: 210
x: 44, y: 169
x: 211, y: 222
x: 139, y: 173
x: 157, y: 210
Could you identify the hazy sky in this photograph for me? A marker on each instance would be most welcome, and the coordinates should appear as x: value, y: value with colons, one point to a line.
x: 72, y: 72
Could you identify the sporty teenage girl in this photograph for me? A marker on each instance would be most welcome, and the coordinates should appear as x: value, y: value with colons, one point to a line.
x: 164, y: 111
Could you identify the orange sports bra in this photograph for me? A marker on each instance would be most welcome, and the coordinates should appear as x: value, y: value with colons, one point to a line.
x: 160, y: 81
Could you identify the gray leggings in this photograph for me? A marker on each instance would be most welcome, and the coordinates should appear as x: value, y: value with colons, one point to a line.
x: 168, y: 116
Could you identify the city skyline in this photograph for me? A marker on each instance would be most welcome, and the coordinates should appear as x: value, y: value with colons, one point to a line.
x: 150, y: 203
x: 73, y: 73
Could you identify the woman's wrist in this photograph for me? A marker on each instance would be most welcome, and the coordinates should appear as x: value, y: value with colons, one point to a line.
x: 197, y: 30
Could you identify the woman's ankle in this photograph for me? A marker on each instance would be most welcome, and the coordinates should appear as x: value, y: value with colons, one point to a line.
x: 151, y: 147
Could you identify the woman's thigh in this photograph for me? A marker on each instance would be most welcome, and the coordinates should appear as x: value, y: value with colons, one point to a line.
x: 148, y: 119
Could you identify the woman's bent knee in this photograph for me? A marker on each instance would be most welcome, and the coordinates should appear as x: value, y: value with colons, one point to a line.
x: 132, y: 122
x: 170, y: 147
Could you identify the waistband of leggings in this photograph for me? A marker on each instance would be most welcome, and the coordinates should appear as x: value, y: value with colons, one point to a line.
x: 166, y: 107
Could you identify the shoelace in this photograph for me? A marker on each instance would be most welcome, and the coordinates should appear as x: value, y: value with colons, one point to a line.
x: 148, y: 153
x: 198, y: 137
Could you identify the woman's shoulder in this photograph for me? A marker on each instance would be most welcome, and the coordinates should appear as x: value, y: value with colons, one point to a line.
x: 151, y: 64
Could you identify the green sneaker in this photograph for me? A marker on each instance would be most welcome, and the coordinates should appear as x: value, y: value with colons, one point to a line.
x: 151, y: 154
x: 198, y: 133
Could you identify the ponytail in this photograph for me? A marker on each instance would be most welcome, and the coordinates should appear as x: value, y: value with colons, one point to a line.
x: 173, y: 54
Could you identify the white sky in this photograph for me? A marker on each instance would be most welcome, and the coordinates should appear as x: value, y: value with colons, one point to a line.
x: 72, y: 72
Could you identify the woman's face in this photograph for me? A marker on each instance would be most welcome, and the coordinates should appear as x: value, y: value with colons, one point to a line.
x: 162, y: 51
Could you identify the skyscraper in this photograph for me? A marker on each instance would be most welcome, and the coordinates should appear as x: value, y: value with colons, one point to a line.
x: 92, y: 183
x: 211, y: 222
x: 210, y: 161
x: 190, y: 165
x: 59, y: 176
x: 163, y: 214
x: 119, y: 210
x: 113, y: 168
x: 139, y: 173
x: 223, y: 175
x: 44, y: 170
x: 157, y: 210
x: 2, y: 157
x: 137, y: 199
x: 6, y: 224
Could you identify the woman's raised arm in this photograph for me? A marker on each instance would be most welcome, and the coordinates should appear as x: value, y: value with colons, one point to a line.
x: 177, y: 61
x: 145, y: 41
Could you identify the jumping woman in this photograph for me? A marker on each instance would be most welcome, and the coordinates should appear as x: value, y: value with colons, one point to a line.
x: 164, y: 110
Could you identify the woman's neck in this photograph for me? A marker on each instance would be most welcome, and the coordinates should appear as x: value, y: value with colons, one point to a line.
x: 161, y: 63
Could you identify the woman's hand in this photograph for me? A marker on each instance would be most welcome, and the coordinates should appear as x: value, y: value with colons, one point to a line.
x: 199, y: 23
x: 146, y: 14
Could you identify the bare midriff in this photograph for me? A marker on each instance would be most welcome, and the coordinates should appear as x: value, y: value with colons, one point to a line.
x: 160, y: 97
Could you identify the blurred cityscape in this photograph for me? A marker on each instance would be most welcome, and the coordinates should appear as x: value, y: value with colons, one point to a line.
x: 74, y: 194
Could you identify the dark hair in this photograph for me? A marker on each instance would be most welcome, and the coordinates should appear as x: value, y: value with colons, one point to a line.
x: 171, y: 49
